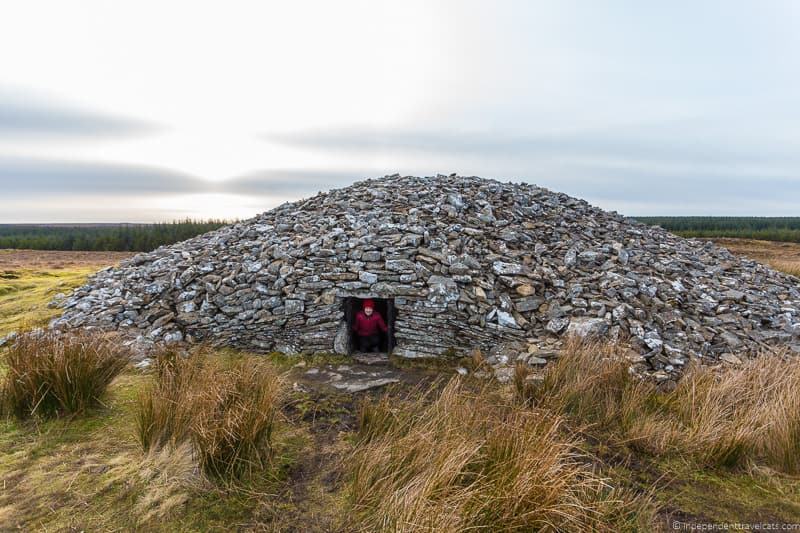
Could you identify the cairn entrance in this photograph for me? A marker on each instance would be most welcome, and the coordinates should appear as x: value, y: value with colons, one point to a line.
x: 383, y: 306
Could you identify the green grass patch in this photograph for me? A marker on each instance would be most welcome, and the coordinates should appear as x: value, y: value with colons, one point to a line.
x: 712, y: 495
x: 54, y: 470
x: 90, y: 473
x: 24, y: 295
x: 7, y: 289
x: 725, y: 496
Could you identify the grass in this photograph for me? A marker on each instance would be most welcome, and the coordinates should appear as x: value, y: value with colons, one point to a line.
x: 471, y: 461
x: 741, y: 417
x: 92, y: 473
x: 685, y: 492
x: 47, y: 374
x: 25, y: 293
x: 721, y: 495
x: 62, y: 473
x: 457, y: 453
x: 226, y: 410
x: 781, y: 256
x: 723, y: 446
x: 788, y: 267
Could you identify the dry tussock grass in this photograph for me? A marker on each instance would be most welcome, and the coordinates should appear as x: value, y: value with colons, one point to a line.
x: 783, y: 256
x: 169, y: 475
x: 165, y: 408
x: 592, y: 383
x: 49, y: 374
x: 732, y: 418
x: 473, y: 461
x: 225, y: 409
x: 789, y: 267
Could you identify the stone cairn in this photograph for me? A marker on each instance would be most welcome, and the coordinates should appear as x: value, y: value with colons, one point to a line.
x: 511, y: 269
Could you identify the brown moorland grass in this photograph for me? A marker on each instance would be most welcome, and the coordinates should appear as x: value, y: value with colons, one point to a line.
x: 30, y: 279
x: 58, y: 259
x: 783, y: 256
x: 463, y: 460
x: 226, y: 409
x: 789, y: 267
x: 51, y: 374
x: 735, y: 417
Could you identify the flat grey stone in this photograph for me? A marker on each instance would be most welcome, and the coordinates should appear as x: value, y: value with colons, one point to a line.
x: 360, y: 386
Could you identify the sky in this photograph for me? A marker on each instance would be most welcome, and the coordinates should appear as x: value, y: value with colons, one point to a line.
x: 147, y: 111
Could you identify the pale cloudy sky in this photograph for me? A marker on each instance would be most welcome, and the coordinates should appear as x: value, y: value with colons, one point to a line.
x: 141, y: 111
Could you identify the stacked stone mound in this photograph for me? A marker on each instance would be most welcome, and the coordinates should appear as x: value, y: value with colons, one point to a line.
x: 470, y: 263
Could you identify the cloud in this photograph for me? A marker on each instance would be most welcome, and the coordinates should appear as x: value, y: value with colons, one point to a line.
x: 39, y: 190
x: 294, y: 182
x: 20, y: 176
x: 684, y: 142
x: 25, y: 116
x: 679, y: 166
x: 33, y: 176
x: 680, y: 191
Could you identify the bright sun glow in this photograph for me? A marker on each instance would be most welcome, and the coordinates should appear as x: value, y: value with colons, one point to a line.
x: 227, y: 206
x: 626, y: 104
x: 220, y: 78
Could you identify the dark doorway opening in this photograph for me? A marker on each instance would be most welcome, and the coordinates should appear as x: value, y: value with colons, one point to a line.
x: 385, y: 308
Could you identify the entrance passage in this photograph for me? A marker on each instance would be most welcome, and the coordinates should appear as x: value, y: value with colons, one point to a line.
x: 383, y: 307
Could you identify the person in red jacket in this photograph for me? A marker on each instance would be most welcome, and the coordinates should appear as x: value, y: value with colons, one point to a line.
x: 368, y: 325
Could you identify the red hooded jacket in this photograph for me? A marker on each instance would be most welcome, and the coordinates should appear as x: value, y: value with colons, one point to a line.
x: 365, y: 325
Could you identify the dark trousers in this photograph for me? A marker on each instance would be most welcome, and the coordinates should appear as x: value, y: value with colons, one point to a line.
x: 369, y: 343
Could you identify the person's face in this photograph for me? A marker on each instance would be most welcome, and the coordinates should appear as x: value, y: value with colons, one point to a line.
x: 368, y: 311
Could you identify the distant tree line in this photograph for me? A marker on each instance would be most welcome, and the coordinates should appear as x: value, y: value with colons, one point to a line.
x: 146, y: 237
x: 784, y: 229
x: 102, y: 237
